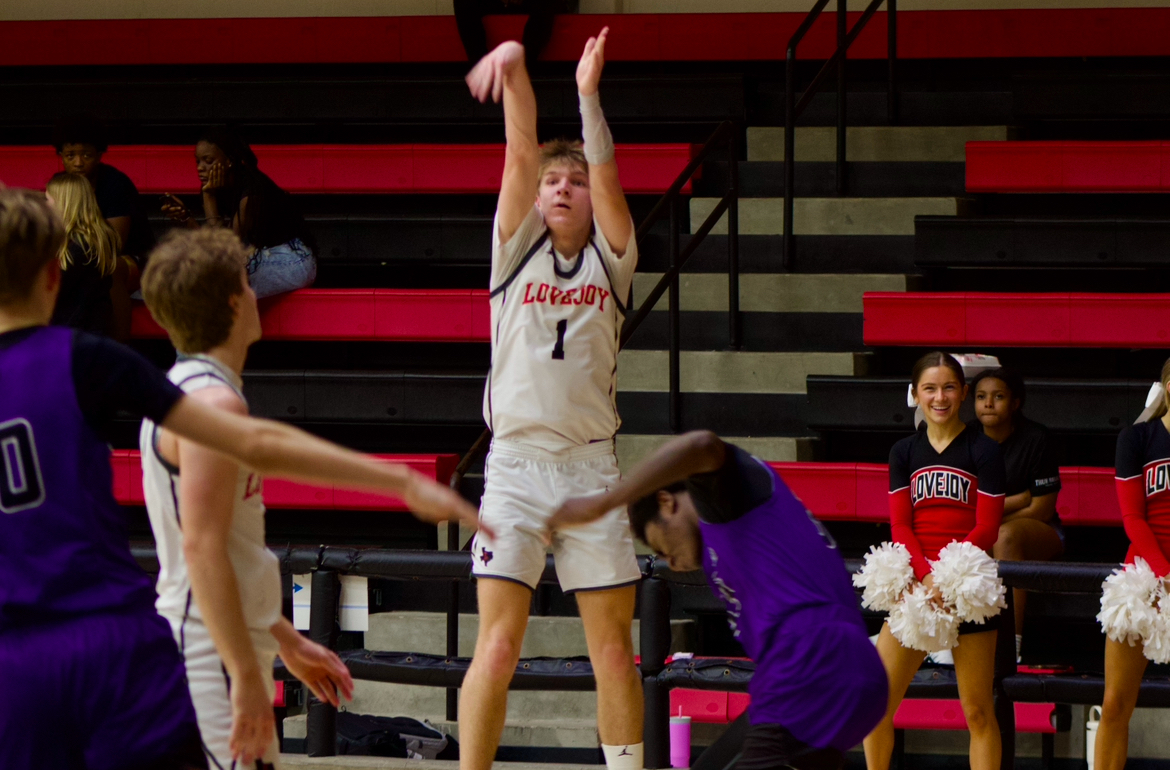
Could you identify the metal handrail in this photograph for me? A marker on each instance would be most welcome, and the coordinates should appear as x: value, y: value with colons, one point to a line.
x: 794, y: 108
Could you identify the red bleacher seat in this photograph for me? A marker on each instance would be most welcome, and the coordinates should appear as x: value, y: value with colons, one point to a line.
x: 304, y: 168
x: 934, y: 714
x: 278, y: 493
x: 860, y: 492
x: 434, y: 315
x: 1018, y: 320
x: 926, y: 34
x: 1067, y: 166
x: 717, y: 707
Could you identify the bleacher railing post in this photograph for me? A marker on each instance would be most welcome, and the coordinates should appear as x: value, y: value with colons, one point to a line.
x: 321, y: 722
x: 735, y: 322
x: 1005, y: 665
x: 842, y: 33
x: 653, y: 647
x: 453, y: 622
x: 892, y: 60
x: 789, y: 154
x: 675, y: 406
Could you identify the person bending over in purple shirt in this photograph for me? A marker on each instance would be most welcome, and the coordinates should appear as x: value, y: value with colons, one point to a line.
x: 819, y: 686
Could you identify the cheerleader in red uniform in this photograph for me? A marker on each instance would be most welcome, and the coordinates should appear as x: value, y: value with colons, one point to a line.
x: 1143, y: 491
x: 946, y: 485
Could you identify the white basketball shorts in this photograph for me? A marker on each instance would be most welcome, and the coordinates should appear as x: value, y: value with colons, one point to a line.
x: 211, y: 689
x: 524, y: 485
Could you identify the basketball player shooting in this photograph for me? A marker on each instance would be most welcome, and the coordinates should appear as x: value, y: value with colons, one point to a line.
x: 819, y: 685
x: 563, y: 259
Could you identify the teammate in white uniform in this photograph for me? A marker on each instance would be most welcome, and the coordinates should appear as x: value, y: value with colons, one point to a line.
x: 219, y: 586
x: 561, y: 276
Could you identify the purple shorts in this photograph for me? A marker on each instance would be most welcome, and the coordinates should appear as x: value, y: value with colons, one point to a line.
x: 100, y: 692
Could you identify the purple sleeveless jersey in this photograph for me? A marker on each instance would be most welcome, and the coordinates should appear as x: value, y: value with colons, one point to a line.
x: 791, y: 605
x: 63, y: 539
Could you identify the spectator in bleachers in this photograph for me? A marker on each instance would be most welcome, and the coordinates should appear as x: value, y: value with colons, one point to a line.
x: 537, y: 30
x: 1030, y: 530
x: 237, y: 194
x: 91, y: 271
x: 80, y: 142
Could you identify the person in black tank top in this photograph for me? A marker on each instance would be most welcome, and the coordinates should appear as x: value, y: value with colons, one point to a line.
x: 237, y: 194
x: 1030, y: 530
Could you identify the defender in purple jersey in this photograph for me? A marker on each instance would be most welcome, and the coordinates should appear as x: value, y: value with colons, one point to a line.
x: 819, y: 686
x: 90, y: 674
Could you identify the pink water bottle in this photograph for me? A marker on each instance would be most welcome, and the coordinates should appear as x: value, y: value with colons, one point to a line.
x: 680, y: 740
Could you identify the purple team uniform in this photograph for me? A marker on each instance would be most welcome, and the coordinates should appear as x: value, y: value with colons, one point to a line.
x: 791, y: 604
x: 90, y: 673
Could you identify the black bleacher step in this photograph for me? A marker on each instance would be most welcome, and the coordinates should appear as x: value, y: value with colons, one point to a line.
x: 708, y: 330
x: 1021, y: 241
x: 465, y: 240
x: 314, y: 396
x: 765, y: 179
x: 918, y: 106
x: 729, y: 414
x: 879, y: 403
x: 765, y: 254
x: 1082, y: 91
x: 168, y: 104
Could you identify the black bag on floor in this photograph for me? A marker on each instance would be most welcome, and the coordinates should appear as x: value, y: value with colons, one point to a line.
x: 402, y: 737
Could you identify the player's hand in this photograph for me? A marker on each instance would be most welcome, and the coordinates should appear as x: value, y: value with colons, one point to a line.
x: 487, y: 77
x: 435, y: 503
x: 935, y: 594
x: 579, y: 511
x: 175, y: 209
x: 591, y: 64
x: 216, y: 177
x: 253, y: 722
x: 320, y: 669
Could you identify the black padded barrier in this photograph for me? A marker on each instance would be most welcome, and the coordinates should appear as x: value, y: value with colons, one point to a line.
x: 327, y: 563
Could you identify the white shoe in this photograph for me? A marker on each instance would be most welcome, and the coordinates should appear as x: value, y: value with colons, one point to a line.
x: 943, y: 658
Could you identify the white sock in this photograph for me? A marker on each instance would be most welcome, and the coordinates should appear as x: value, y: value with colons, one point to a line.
x: 623, y: 757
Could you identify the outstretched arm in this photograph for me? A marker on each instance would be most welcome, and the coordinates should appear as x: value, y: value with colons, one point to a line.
x: 207, y: 487
x: 502, y: 73
x: 609, y: 202
x: 276, y: 449
x: 680, y: 458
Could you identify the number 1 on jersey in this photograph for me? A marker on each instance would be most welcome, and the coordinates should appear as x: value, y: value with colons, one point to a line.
x: 559, y: 349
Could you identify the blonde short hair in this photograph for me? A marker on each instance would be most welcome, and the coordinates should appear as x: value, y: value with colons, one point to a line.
x: 31, y: 234
x: 556, y: 151
x: 188, y: 282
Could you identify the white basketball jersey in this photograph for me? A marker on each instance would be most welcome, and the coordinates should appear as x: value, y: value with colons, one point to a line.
x: 257, y: 570
x: 555, y: 329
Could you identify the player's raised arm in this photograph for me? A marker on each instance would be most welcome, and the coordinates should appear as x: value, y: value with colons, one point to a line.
x: 609, y: 202
x: 699, y: 451
x: 276, y: 449
x: 502, y: 74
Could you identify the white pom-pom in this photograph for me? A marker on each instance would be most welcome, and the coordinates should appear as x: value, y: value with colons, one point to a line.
x: 919, y: 624
x: 885, y: 574
x: 1129, y: 603
x: 1157, y: 642
x: 968, y: 580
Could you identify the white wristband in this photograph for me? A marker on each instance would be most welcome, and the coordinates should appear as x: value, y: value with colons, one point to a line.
x: 598, y: 140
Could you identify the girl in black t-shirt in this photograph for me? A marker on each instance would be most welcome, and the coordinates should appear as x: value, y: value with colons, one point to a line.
x: 1030, y: 529
x: 238, y: 194
x: 89, y: 259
